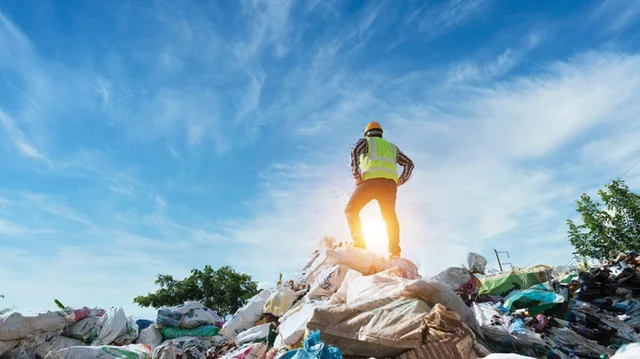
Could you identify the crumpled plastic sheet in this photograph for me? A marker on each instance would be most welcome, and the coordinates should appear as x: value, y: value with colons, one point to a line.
x: 495, y: 327
x: 188, y: 315
x: 517, y: 327
x: 183, y: 348
x: 569, y: 342
x: 537, y: 293
x: 476, y: 262
x: 313, y: 348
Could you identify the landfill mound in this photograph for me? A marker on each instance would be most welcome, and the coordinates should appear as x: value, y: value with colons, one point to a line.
x: 349, y: 302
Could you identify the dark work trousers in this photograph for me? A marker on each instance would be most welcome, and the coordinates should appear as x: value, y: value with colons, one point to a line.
x: 384, y: 191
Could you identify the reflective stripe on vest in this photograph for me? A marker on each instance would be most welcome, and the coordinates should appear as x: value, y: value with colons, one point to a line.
x: 380, y: 160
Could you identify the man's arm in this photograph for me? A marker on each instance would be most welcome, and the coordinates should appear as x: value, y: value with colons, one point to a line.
x: 357, y: 150
x: 407, y: 167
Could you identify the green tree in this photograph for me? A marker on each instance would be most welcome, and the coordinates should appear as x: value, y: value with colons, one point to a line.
x: 223, y: 290
x: 613, y: 225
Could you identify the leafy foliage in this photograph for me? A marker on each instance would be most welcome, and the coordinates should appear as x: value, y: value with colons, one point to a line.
x: 223, y: 290
x: 612, y: 226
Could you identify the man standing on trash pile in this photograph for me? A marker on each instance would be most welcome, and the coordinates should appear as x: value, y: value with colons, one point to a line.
x: 373, y: 164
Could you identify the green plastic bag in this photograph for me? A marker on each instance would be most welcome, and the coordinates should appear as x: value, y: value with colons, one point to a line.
x: 203, y: 331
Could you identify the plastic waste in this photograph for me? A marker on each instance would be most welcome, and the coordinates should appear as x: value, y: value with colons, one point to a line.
x: 538, y: 295
x: 115, y: 328
x: 16, y: 326
x: 313, y: 348
x: 150, y: 336
x: 246, y: 316
x: 264, y: 333
x: 131, y: 351
x: 477, y: 263
x: 281, y: 300
x: 381, y: 327
x: 188, y: 315
x: 82, y: 330
x: 183, y: 348
x: 517, y: 327
x: 459, y: 279
x: 203, y: 331
x: 250, y: 351
x: 56, y: 343
x: 328, y: 282
x: 143, y: 323
x: 293, y: 328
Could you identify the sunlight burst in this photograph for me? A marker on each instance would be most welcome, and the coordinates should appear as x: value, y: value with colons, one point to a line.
x: 375, y: 235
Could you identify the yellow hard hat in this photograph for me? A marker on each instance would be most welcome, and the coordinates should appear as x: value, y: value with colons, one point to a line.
x: 372, y: 126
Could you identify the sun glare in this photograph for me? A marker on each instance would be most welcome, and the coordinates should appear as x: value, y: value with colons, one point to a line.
x: 375, y: 235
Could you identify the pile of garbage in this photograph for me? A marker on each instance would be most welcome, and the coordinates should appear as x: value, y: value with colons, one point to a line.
x: 349, y: 302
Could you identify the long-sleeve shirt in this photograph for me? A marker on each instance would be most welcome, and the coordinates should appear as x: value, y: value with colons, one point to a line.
x: 362, y: 148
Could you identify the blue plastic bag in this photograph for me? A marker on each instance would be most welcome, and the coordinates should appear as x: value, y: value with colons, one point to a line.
x: 144, y: 323
x: 314, y: 349
x: 517, y: 327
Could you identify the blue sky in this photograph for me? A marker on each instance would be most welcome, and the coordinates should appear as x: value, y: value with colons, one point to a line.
x: 152, y: 137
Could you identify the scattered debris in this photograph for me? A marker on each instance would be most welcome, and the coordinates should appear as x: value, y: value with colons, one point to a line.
x: 349, y: 301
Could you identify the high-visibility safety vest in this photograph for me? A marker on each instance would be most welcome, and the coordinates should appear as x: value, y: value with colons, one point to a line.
x: 380, y: 160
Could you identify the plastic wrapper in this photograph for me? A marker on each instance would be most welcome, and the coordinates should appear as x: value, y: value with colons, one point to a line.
x: 249, y: 351
x: 246, y: 316
x: 476, y: 262
x: 328, y: 282
x: 115, y: 328
x: 313, y: 348
x: 264, y: 333
x: 83, y: 329
x: 203, y: 331
x: 188, y: 315
x: 150, y: 336
x: 16, y: 326
x: 382, y: 327
x: 281, y: 300
x: 131, y: 351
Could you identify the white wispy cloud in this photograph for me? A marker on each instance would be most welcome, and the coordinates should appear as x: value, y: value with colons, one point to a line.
x: 500, y: 155
x: 471, y: 189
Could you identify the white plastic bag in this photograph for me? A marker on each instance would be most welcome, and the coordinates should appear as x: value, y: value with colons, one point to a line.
x: 116, y: 328
x: 131, y: 351
x: 354, y: 258
x: 477, y: 263
x: 56, y: 343
x: 16, y: 326
x: 328, y: 282
x: 255, y: 334
x: 429, y: 290
x: 341, y: 294
x: 191, y: 314
x: 82, y: 329
x: 292, y: 329
x: 150, y: 336
x: 247, y: 316
x: 280, y: 301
